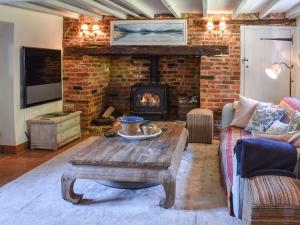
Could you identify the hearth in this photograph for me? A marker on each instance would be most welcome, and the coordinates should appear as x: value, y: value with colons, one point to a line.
x: 149, y: 101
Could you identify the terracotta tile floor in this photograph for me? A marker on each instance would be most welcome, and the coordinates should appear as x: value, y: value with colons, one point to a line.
x: 13, y: 166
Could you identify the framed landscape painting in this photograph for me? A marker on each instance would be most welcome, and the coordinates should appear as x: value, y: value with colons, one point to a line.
x: 148, y: 32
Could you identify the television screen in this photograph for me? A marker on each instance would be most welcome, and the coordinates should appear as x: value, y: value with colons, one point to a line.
x: 41, y: 76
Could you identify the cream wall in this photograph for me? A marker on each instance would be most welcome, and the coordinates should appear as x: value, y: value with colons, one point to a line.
x: 297, y: 60
x: 31, y: 29
x: 6, y: 84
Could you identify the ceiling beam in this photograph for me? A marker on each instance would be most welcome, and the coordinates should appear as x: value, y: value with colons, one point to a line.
x: 115, y: 5
x: 42, y: 9
x: 293, y: 12
x: 16, y: 1
x: 172, y: 8
x: 138, y: 6
x: 204, y: 8
x: 268, y: 9
x: 239, y: 8
x: 73, y: 8
x: 105, y: 9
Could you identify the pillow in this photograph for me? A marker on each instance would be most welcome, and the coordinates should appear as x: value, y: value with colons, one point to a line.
x: 243, y: 111
x: 290, y: 137
x: 263, y: 117
x: 294, y: 124
x: 234, y: 104
x: 278, y: 128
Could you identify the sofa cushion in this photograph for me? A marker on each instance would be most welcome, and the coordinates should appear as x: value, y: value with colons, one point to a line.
x: 263, y: 117
x: 294, y: 124
x: 290, y: 104
x: 278, y: 128
x: 243, y: 111
x: 271, y: 200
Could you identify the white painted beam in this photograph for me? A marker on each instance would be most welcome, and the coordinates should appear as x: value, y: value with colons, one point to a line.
x: 293, y: 12
x: 115, y: 5
x: 16, y: 1
x: 73, y: 8
x: 268, y: 9
x: 138, y: 6
x: 239, y: 8
x: 42, y: 9
x: 204, y: 8
x: 105, y: 9
x: 170, y: 5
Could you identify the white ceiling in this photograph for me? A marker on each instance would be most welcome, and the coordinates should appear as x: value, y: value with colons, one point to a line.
x: 148, y: 8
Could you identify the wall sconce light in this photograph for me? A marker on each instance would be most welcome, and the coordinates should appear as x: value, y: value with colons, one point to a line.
x: 96, y: 29
x: 210, y: 25
x: 86, y: 32
x: 84, y: 28
x: 222, y: 26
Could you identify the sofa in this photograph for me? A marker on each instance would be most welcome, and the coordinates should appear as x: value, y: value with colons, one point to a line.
x: 228, y: 163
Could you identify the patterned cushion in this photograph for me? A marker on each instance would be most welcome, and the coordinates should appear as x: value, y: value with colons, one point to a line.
x: 271, y: 200
x: 294, y: 124
x: 278, y: 128
x: 263, y: 117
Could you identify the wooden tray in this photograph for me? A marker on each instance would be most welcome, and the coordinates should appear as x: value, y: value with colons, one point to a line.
x: 139, y: 136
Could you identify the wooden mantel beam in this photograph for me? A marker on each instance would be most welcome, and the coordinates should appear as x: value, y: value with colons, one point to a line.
x: 201, y: 50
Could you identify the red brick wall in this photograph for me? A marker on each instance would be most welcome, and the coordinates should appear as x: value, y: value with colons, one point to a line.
x: 85, y: 82
x: 219, y: 76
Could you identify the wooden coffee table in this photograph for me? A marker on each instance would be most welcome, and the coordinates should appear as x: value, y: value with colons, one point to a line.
x: 117, y: 159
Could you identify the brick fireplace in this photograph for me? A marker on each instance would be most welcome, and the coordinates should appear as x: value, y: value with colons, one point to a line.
x: 93, y: 81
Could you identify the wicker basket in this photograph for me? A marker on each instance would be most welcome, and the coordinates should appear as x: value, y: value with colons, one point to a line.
x: 200, y: 125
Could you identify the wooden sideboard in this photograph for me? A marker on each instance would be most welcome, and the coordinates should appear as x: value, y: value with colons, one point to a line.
x: 52, y: 133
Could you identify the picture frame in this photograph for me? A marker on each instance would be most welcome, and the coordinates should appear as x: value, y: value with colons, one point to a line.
x: 148, y: 32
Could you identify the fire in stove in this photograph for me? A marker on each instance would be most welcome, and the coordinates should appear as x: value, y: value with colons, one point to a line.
x: 149, y: 99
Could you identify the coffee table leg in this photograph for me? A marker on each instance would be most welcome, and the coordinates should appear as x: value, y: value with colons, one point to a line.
x: 169, y: 183
x: 67, y: 189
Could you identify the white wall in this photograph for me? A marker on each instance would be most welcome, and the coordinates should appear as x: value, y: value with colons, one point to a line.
x: 31, y: 29
x: 297, y: 60
x: 7, y: 136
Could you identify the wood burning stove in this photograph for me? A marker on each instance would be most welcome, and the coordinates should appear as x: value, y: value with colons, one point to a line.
x: 150, y: 100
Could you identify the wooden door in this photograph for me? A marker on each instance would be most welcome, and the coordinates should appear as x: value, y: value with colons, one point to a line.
x: 256, y: 54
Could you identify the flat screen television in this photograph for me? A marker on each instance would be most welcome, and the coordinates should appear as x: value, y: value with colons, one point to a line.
x: 40, y: 76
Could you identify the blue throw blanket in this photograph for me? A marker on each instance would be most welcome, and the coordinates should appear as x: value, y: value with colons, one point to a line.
x: 257, y: 156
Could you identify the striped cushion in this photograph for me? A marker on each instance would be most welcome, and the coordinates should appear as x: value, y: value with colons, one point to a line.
x: 290, y: 105
x: 271, y: 200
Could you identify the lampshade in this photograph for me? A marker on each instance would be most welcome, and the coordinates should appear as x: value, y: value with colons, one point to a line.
x: 273, y: 71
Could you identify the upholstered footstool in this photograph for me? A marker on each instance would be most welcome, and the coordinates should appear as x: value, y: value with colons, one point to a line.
x: 271, y: 200
x: 200, y: 123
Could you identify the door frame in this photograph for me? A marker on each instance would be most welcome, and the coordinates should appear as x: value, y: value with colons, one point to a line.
x: 295, y: 54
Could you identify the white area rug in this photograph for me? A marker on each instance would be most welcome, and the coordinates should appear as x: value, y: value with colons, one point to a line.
x: 35, y: 198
